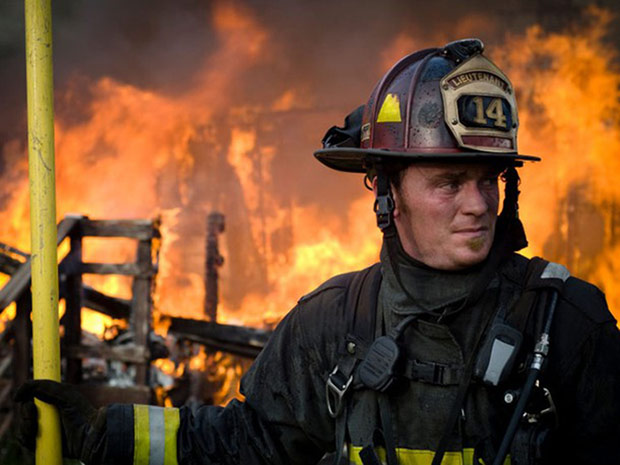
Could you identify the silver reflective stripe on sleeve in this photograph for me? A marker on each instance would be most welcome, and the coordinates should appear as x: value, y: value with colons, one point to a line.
x: 155, y: 431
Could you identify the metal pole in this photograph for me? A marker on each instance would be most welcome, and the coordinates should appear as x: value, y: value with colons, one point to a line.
x: 45, y: 338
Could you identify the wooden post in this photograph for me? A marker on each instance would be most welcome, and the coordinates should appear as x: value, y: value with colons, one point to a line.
x: 21, y: 347
x: 73, y: 301
x: 141, y: 312
x: 215, y: 226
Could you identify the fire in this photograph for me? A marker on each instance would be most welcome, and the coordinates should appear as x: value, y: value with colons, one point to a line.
x: 133, y: 152
x: 319, y: 253
x: 569, y: 92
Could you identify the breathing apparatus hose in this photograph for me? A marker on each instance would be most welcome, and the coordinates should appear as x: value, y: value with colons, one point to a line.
x: 540, y: 353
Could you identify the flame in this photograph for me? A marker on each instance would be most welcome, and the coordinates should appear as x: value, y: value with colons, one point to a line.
x: 9, y: 314
x: 321, y: 251
x: 134, y: 152
x: 568, y: 91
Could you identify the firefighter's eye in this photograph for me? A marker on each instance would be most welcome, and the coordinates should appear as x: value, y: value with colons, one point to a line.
x: 450, y: 186
x: 490, y: 181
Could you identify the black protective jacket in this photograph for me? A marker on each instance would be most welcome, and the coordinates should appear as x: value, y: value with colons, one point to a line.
x: 284, y: 419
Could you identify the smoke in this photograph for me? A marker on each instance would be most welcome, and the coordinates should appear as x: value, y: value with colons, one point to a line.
x: 330, y: 48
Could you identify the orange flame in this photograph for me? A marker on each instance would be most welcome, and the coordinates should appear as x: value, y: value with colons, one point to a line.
x: 569, y: 94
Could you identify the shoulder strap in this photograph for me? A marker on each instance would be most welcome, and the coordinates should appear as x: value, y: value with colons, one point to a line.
x: 360, y: 309
x: 361, y: 303
x: 541, y: 277
x: 521, y: 313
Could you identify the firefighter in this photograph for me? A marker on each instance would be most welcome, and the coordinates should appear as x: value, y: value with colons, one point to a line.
x: 453, y: 349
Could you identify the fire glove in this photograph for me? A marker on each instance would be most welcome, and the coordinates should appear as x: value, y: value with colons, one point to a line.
x: 83, y: 427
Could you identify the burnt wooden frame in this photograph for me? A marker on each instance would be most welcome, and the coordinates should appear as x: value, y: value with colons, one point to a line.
x: 77, y: 295
x: 143, y: 271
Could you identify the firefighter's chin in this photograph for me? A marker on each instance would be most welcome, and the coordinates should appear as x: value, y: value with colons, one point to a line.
x: 472, y: 251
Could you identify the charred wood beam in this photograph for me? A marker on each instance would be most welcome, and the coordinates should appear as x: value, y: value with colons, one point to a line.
x: 73, y: 314
x: 9, y: 265
x: 114, y: 307
x: 133, y: 229
x: 125, y: 353
x: 125, y: 269
x: 237, y: 340
x: 140, y: 320
x: 215, y: 227
x: 20, y: 280
x: 9, y: 250
x: 91, y: 298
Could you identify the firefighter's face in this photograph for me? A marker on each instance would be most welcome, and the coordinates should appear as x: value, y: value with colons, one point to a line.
x: 445, y: 215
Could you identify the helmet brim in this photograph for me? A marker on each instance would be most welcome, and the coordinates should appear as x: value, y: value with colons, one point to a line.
x: 355, y: 160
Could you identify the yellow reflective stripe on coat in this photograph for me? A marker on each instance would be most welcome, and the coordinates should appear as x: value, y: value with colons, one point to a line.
x: 421, y: 457
x: 155, y: 435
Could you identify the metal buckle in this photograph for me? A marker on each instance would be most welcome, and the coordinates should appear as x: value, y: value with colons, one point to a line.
x: 438, y: 373
x: 335, y: 391
x: 383, y: 207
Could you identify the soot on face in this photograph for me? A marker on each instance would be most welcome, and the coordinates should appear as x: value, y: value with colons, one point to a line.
x: 476, y: 244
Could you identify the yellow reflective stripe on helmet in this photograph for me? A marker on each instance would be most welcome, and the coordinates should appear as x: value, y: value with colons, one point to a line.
x: 155, y: 435
x: 421, y: 457
x: 172, y: 421
x: 390, y: 110
x: 141, y: 434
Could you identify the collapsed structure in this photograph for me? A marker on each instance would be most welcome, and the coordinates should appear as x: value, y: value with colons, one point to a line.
x: 117, y: 368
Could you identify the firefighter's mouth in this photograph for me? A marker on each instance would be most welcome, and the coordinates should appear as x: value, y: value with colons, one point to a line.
x: 473, y: 231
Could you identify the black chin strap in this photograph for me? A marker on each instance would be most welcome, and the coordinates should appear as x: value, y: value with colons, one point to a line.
x: 384, y: 209
x: 384, y: 203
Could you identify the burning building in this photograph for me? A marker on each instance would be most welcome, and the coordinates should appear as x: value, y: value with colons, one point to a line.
x: 179, y: 109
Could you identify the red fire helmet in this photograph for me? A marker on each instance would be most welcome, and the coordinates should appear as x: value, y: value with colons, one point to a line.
x: 443, y: 104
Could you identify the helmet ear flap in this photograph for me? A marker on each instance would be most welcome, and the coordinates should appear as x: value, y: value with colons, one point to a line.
x: 347, y: 135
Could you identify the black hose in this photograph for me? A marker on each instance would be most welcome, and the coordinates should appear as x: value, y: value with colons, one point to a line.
x: 516, y: 417
x: 540, y: 352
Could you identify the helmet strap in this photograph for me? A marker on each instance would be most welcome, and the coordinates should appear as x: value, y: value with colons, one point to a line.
x: 384, y: 209
x: 384, y: 202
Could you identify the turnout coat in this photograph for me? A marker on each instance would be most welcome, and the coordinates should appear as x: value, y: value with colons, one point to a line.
x: 285, y: 420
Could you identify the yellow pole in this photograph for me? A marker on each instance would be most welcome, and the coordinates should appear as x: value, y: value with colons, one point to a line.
x: 45, y: 338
